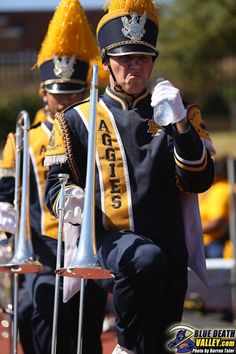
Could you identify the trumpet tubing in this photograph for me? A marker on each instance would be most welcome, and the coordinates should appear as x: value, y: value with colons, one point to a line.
x: 23, y: 260
x: 85, y: 262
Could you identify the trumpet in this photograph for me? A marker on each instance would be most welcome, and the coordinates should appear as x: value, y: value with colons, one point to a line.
x: 85, y: 262
x: 63, y: 179
x: 23, y: 260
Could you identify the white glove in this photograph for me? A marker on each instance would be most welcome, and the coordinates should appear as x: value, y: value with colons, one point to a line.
x: 74, y: 206
x: 7, y: 217
x: 165, y: 91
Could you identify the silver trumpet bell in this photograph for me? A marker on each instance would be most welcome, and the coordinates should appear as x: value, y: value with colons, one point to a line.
x: 23, y: 260
x: 85, y: 262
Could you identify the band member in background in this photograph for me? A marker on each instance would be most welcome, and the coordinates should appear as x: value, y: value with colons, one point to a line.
x: 64, y: 60
x: 214, y: 210
x: 147, y: 178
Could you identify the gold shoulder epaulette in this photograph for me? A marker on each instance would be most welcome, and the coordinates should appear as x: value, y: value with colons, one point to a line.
x: 56, y: 151
x: 7, y: 162
x: 195, y: 118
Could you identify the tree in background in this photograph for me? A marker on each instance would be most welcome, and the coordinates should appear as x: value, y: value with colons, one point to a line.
x: 197, y: 52
x: 195, y: 37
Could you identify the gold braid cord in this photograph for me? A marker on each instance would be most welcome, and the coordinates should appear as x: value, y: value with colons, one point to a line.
x: 118, y: 44
x: 68, y: 146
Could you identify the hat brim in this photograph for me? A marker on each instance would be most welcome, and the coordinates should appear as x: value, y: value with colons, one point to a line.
x: 64, y: 88
x: 129, y: 49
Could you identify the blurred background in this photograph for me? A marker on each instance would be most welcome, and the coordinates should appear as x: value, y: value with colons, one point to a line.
x: 197, y: 53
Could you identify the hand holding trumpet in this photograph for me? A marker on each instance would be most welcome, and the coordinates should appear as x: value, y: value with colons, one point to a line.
x: 74, y: 206
x: 7, y: 217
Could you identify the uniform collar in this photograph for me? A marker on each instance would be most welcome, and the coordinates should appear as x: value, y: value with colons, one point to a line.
x: 118, y: 99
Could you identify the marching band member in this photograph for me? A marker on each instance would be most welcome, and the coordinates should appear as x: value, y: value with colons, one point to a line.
x: 214, y: 207
x: 64, y: 63
x: 145, y: 173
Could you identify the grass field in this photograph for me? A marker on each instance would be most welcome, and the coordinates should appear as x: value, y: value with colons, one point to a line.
x: 224, y: 142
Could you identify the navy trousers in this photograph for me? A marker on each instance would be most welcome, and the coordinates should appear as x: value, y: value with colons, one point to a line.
x: 148, y: 289
x: 39, y: 301
x: 25, y: 311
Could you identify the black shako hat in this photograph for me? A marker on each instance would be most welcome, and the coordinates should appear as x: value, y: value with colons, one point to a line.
x: 67, y: 50
x: 64, y: 74
x: 129, y: 27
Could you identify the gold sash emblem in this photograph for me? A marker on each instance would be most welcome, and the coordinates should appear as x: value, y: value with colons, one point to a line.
x: 113, y: 180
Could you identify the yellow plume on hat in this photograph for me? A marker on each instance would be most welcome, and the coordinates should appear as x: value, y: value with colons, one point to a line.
x: 131, y: 6
x: 69, y: 34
